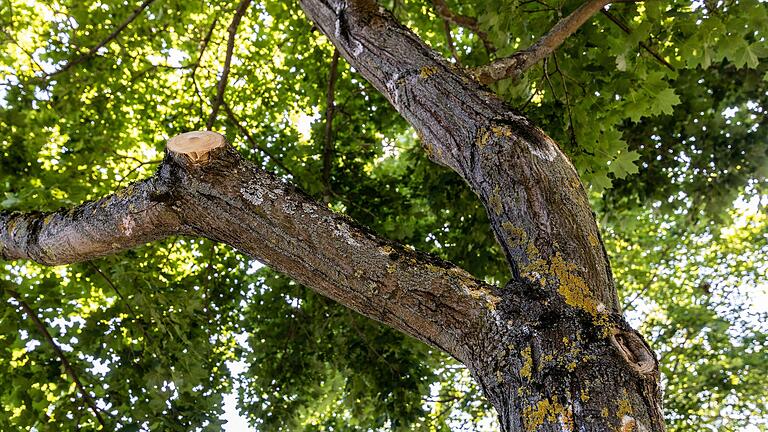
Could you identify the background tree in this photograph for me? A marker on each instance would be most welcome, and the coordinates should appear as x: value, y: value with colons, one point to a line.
x: 659, y: 105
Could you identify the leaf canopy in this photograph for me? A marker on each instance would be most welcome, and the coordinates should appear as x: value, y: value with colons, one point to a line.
x: 660, y: 105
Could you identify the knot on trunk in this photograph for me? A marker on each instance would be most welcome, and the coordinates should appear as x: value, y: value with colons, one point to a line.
x: 634, y: 351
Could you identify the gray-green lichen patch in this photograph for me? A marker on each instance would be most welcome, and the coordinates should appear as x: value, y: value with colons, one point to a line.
x: 127, y: 225
x: 255, y: 193
x: 289, y: 207
x: 342, y: 230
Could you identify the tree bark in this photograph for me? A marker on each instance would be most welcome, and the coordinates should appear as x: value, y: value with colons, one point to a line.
x: 550, y: 349
x: 216, y: 194
x: 559, y: 355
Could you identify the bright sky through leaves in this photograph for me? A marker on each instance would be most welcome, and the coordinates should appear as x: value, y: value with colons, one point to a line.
x: 674, y: 153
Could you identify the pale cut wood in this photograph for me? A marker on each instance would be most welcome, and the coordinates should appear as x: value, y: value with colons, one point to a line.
x: 196, y: 145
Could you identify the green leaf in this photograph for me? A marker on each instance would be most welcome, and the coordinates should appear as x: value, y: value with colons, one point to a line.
x: 666, y: 100
x: 745, y: 55
x: 624, y: 164
x: 600, y: 182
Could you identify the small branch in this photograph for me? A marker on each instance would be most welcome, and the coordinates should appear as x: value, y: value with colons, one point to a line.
x: 239, y: 12
x: 134, y: 169
x: 247, y: 134
x: 442, y: 9
x: 571, y: 127
x: 514, y: 65
x: 24, y: 50
x: 549, y: 81
x: 643, y: 45
x: 203, y: 46
x: 330, y: 95
x: 67, y: 366
x: 104, y: 42
x: 124, y: 300
x: 449, y: 41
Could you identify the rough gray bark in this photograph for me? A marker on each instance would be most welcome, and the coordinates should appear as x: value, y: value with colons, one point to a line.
x: 227, y: 199
x: 559, y: 355
x: 550, y: 349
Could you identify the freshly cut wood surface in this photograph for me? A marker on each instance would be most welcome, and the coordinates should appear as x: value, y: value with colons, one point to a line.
x: 196, y: 144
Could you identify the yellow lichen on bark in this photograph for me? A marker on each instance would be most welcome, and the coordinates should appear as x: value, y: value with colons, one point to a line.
x: 502, y: 131
x: 517, y: 236
x: 427, y: 71
x: 584, y: 396
x: 571, y: 286
x: 624, y: 408
x: 525, y: 371
x: 547, y: 410
x: 495, y: 201
x: 575, y: 291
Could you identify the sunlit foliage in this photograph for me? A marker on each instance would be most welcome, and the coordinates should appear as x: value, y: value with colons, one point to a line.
x: 661, y: 106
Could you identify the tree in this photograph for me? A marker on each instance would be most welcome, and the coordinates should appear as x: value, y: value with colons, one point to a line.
x: 549, y: 349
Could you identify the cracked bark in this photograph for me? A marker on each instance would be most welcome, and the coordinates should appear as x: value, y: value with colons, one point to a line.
x: 214, y: 193
x: 550, y: 349
x: 557, y: 354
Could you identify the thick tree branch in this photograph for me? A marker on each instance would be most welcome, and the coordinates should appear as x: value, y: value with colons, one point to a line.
x: 551, y: 339
x: 136, y: 215
x: 56, y: 349
x: 222, y: 85
x: 208, y: 190
x: 464, y: 127
x: 539, y: 211
x: 330, y: 110
x: 514, y: 65
x: 91, y: 52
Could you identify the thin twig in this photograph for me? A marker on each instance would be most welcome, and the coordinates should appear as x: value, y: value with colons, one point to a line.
x: 514, y: 65
x: 243, y: 130
x: 24, y: 50
x: 104, y: 42
x: 67, y: 366
x: 449, y: 41
x: 530, y: 98
x: 113, y: 286
x: 471, y: 23
x: 643, y: 45
x: 239, y: 12
x: 330, y: 95
x: 134, y: 169
x: 119, y: 294
x: 203, y: 46
x: 546, y: 76
x: 571, y: 127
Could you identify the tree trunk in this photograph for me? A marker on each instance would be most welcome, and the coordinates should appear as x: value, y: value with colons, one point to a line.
x: 558, y: 354
x: 550, y: 349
